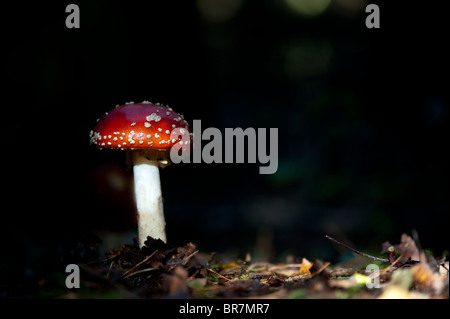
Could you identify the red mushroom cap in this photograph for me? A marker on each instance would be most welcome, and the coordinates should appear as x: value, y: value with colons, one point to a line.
x: 139, y: 126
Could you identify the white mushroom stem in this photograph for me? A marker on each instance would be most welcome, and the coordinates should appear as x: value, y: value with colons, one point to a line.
x: 149, y: 201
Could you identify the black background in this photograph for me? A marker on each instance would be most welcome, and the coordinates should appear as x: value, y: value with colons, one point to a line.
x: 362, y: 117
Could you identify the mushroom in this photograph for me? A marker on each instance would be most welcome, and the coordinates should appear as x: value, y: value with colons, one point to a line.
x: 147, y: 132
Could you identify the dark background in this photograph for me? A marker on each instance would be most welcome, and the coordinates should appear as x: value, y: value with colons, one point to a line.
x: 362, y: 118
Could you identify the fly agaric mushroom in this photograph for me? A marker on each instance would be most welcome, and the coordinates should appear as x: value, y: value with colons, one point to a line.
x: 147, y: 132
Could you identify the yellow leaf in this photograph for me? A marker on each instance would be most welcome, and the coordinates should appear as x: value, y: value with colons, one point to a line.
x: 291, y: 270
x: 360, y: 278
x: 305, y: 267
x: 352, y: 281
x: 231, y: 265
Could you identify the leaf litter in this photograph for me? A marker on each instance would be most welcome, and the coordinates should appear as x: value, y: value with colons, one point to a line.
x: 158, y: 270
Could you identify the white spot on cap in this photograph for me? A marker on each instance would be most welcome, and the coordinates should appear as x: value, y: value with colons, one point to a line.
x: 153, y: 117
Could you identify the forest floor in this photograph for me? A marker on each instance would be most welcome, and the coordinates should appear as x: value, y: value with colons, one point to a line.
x: 158, y: 270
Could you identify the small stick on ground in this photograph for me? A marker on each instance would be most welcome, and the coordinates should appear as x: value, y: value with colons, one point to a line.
x: 187, y: 258
x: 216, y: 273
x: 140, y: 271
x: 324, y: 266
x: 383, y: 271
x: 357, y: 251
x: 140, y: 263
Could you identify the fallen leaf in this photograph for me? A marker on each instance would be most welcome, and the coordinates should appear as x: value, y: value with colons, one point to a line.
x: 427, y: 279
x: 407, y: 248
x: 402, y: 278
x: 356, y: 279
x: 291, y: 270
x: 232, y: 265
x: 305, y: 267
x: 177, y: 281
x: 443, y: 270
x: 320, y: 267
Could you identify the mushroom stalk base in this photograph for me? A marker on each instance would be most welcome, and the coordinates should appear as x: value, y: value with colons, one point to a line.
x: 149, y: 201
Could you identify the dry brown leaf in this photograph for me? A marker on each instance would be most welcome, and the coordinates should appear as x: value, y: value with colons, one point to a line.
x: 427, y: 279
x: 290, y: 270
x: 177, y: 281
x: 286, y: 270
x: 407, y: 248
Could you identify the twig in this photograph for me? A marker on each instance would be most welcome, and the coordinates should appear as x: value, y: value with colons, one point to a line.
x: 216, y: 273
x: 187, y: 258
x: 102, y: 260
x: 383, y: 271
x: 125, y: 274
x: 357, y: 251
x: 140, y: 271
x: 325, y: 265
